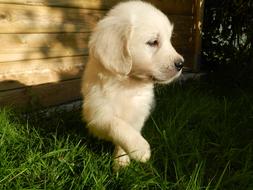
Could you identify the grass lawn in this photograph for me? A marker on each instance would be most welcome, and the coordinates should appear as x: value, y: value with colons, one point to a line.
x: 201, y: 137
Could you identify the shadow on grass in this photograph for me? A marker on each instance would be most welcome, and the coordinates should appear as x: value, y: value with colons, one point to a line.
x: 62, y: 124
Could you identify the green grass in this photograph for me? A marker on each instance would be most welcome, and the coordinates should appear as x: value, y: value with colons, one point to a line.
x: 201, y: 137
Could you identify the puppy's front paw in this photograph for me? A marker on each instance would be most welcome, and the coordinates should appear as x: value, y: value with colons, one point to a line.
x: 121, y: 162
x: 141, y: 151
x: 121, y: 159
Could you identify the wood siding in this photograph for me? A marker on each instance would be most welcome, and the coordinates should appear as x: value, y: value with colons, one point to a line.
x: 44, y: 45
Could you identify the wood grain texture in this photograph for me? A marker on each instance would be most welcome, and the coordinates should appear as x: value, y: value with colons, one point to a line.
x: 35, y: 72
x: 15, y: 47
x: 35, y: 19
x: 42, y: 95
x: 182, y: 7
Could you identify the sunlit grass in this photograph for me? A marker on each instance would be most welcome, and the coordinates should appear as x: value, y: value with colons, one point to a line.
x: 200, y: 139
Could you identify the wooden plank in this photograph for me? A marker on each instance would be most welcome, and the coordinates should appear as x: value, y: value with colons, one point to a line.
x: 42, y: 95
x: 181, y: 7
x: 36, y: 19
x: 35, y: 72
x: 16, y: 47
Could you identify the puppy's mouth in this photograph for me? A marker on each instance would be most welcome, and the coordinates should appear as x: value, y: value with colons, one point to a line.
x: 161, y: 78
x: 166, y: 78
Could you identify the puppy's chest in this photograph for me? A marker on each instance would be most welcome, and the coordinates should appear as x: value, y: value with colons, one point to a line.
x: 132, y: 104
x: 137, y: 100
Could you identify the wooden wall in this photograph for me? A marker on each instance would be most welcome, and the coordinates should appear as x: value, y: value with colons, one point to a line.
x: 43, y: 45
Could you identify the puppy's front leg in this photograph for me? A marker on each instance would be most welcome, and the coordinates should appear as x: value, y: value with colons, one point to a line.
x: 125, y: 136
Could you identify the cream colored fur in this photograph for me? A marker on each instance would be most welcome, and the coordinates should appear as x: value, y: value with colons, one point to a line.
x: 130, y: 51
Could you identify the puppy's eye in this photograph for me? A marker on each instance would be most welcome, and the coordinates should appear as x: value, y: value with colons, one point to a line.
x: 153, y: 43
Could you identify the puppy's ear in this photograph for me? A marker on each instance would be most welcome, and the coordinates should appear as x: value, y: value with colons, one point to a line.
x: 109, y: 44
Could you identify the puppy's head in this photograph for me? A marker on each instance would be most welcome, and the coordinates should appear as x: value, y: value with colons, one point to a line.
x: 134, y: 39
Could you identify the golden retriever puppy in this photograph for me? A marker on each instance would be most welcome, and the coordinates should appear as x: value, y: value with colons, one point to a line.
x: 129, y: 51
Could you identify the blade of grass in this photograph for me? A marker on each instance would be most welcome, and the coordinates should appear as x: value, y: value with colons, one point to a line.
x: 222, y: 175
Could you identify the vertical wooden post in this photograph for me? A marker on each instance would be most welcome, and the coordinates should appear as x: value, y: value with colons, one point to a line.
x: 198, y: 22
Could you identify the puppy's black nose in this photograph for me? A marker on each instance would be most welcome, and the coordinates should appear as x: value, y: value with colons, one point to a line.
x: 179, y: 64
